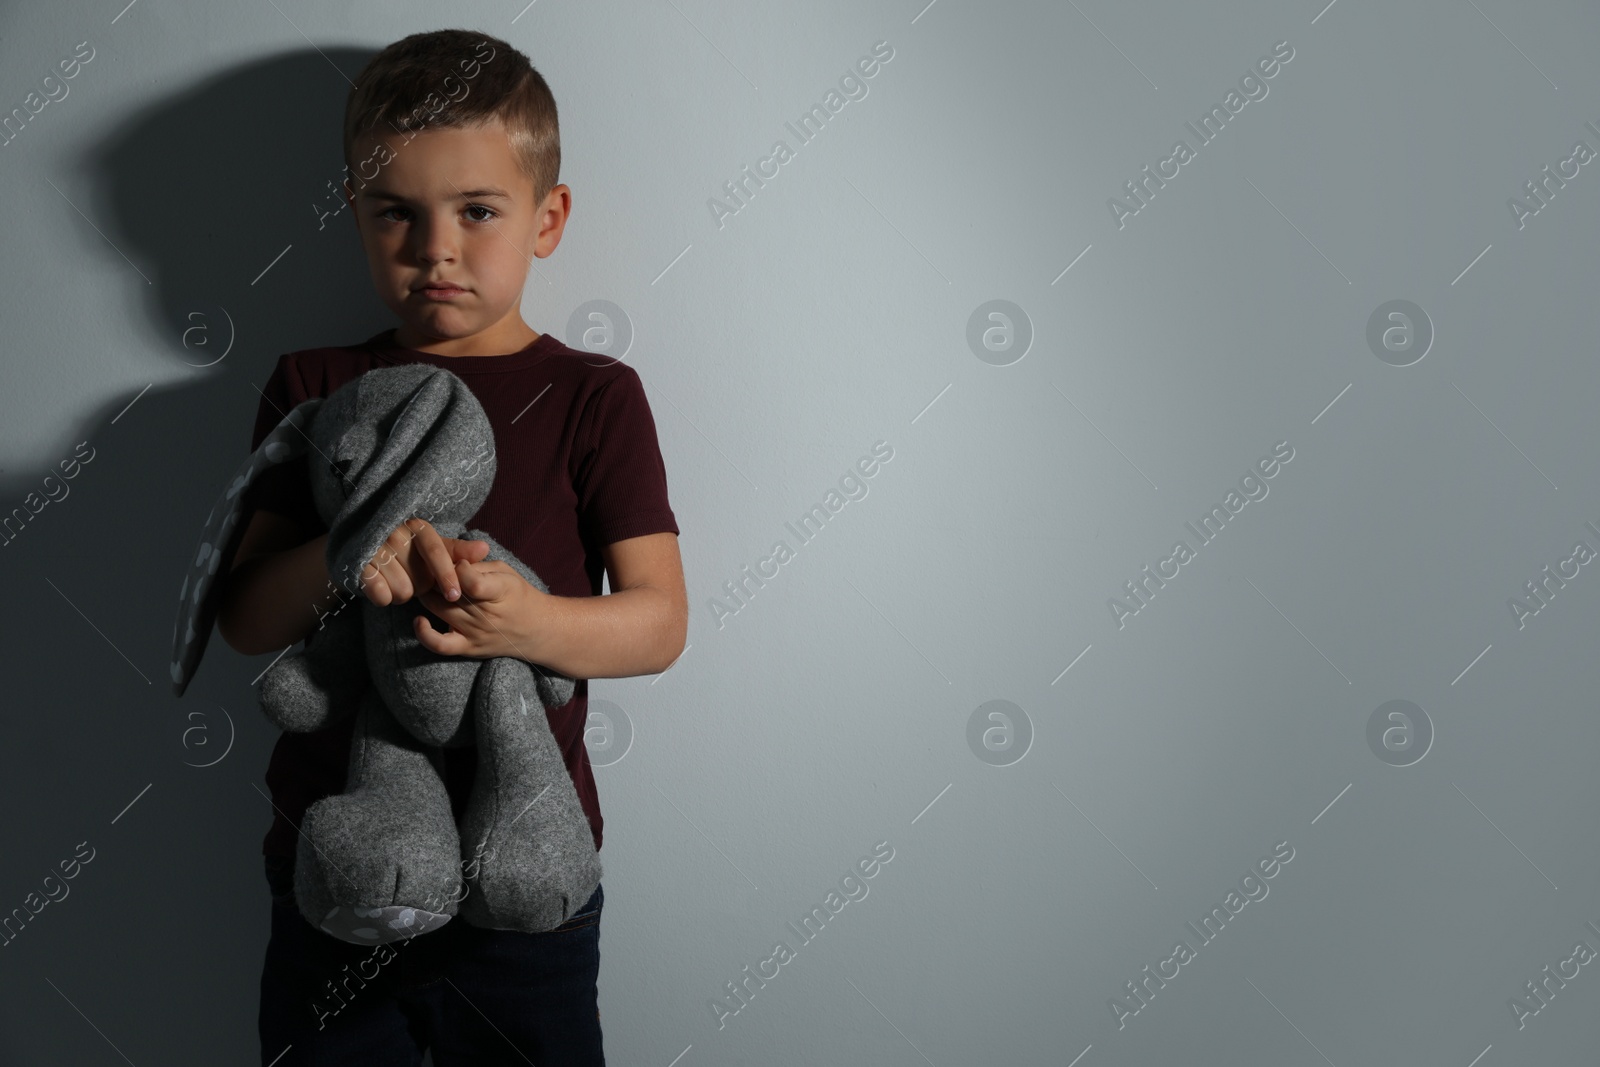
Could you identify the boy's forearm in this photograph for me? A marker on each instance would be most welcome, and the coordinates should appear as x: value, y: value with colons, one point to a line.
x: 630, y: 632
x: 276, y: 599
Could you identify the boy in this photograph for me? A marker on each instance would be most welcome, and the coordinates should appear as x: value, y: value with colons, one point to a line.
x: 456, y: 190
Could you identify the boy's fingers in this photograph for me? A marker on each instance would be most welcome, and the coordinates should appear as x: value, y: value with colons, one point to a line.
x: 440, y: 608
x: 436, y: 559
x: 373, y: 586
x: 433, y: 640
x: 385, y: 589
x: 416, y: 558
x: 401, y: 583
x: 478, y: 582
x: 425, y: 633
x: 471, y: 551
x: 394, y: 583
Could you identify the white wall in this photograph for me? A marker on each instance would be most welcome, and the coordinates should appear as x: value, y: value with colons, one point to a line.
x: 839, y: 707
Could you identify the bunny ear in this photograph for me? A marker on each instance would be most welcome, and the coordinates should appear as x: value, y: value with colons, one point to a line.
x: 198, y: 599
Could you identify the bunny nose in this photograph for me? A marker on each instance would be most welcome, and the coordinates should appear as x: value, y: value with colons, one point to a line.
x: 341, y: 467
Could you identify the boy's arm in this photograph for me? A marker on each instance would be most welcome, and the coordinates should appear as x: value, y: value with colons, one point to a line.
x: 278, y: 588
x: 638, y: 628
x: 621, y: 485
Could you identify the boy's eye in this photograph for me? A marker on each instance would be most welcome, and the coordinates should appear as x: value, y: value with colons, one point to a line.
x: 491, y: 213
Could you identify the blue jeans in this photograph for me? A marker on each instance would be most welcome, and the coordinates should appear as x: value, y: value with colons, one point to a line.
x: 470, y: 995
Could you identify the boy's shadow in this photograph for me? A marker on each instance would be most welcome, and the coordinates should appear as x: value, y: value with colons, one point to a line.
x: 213, y: 195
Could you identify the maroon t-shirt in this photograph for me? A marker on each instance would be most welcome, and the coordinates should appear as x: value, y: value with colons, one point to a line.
x: 577, y: 467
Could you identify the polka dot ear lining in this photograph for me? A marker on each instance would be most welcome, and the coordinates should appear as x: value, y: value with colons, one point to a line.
x: 197, y: 599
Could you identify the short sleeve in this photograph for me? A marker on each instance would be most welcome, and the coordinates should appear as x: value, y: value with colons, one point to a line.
x: 283, y: 488
x: 620, y: 479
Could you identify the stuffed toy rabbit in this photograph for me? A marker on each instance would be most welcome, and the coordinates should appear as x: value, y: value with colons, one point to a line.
x: 385, y: 859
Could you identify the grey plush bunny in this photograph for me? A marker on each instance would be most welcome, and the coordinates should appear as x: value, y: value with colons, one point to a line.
x: 385, y: 859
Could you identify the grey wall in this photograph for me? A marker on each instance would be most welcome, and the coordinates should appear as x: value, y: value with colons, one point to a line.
x: 940, y: 669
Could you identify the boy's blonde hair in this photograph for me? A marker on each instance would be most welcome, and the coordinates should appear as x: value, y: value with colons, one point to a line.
x: 447, y: 78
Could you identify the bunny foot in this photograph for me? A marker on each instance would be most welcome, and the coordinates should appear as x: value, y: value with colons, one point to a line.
x: 532, y: 860
x: 380, y: 862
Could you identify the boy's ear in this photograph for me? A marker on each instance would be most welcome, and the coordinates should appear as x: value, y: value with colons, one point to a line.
x: 199, y: 598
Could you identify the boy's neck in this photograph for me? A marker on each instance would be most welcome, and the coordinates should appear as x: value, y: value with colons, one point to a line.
x: 500, y: 340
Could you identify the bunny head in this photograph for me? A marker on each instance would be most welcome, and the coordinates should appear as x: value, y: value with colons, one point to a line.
x: 396, y: 443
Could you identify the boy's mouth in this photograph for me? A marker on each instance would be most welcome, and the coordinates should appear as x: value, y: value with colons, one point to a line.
x: 440, y: 290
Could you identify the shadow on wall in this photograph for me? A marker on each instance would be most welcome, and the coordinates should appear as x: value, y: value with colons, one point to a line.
x: 215, y: 197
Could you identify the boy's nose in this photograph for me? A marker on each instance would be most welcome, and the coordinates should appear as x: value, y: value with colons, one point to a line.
x: 433, y: 244
x: 435, y: 252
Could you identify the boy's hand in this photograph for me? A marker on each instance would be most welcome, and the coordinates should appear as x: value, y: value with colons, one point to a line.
x: 499, y: 615
x: 415, y: 560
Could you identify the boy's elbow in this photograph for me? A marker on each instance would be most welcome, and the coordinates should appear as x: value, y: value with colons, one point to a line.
x: 677, y: 634
x: 675, y: 651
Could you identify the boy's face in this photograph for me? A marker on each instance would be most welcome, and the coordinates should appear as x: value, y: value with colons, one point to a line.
x: 450, y: 205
